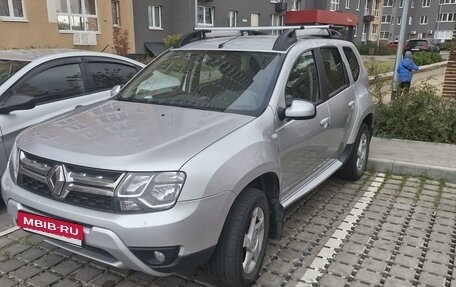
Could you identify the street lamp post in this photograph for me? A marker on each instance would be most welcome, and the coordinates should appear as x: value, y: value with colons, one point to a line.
x: 400, y: 48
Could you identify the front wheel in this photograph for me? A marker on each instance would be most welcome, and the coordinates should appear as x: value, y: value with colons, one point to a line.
x: 240, y: 252
x: 356, y: 164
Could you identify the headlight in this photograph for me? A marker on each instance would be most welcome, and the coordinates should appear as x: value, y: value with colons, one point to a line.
x: 13, y: 163
x: 149, y: 191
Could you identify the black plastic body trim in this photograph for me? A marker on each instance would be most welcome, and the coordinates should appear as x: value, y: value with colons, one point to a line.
x: 187, y: 263
x: 345, y: 155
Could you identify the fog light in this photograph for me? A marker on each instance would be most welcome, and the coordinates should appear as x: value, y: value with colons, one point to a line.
x: 159, y: 256
x: 128, y: 205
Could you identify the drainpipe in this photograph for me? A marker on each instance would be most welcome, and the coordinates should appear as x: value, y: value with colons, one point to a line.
x: 196, y: 13
x: 400, y: 48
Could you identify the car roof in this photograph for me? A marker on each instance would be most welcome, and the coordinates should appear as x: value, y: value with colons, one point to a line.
x: 258, y: 43
x: 29, y: 55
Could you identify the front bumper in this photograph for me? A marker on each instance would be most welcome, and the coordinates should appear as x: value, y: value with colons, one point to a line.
x: 192, y: 226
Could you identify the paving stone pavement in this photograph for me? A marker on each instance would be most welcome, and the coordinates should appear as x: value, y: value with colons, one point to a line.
x: 383, y: 230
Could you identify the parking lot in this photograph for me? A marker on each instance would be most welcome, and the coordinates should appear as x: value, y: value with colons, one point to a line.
x: 384, y: 230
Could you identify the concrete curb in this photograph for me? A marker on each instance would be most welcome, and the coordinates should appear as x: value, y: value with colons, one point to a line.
x: 389, y: 75
x: 411, y: 168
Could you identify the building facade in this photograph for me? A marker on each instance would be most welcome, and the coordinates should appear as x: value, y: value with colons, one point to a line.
x: 83, y: 24
x: 426, y: 19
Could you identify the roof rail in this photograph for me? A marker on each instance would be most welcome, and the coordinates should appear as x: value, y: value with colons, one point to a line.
x: 287, y: 38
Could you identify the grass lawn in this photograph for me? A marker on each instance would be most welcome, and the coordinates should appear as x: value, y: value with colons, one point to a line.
x: 383, y: 66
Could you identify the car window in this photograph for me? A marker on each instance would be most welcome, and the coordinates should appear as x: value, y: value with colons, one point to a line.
x: 334, y: 70
x: 303, y: 80
x: 107, y: 75
x: 8, y: 68
x: 352, y: 61
x: 53, y: 84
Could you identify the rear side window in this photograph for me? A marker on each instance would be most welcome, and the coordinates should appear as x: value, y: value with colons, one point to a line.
x: 334, y: 70
x: 353, y: 62
x: 53, y: 84
x: 107, y: 75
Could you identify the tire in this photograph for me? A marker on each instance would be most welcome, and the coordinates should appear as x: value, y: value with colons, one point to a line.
x: 356, y: 164
x: 231, y: 263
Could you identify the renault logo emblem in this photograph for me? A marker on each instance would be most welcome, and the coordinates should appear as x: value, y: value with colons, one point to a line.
x: 56, y: 179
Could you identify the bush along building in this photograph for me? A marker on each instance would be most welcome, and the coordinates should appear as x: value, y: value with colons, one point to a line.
x: 426, y: 19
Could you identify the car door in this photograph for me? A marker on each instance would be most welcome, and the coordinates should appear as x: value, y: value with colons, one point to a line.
x: 103, y: 74
x: 341, y: 99
x: 303, y: 143
x: 57, y: 86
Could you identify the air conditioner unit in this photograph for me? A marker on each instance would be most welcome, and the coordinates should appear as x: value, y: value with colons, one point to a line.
x: 84, y: 39
x: 430, y: 32
x: 413, y: 32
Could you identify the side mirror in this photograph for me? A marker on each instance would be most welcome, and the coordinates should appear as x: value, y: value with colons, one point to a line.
x: 115, y: 90
x: 17, y: 102
x: 299, y: 110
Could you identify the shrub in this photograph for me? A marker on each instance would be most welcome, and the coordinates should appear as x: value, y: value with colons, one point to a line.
x: 171, y: 40
x: 446, y: 46
x: 426, y: 58
x: 372, y: 49
x: 120, y: 41
x: 421, y: 115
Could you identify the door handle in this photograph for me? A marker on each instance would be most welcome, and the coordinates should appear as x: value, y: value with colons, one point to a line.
x: 351, y: 105
x: 325, y: 123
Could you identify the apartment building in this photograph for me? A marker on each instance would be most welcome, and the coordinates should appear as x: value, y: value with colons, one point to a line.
x: 83, y: 24
x: 426, y: 19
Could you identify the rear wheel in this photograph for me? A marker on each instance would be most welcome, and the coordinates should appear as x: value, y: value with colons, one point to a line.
x: 356, y: 165
x: 240, y: 252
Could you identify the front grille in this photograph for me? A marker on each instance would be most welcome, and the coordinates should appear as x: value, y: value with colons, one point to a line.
x: 89, y: 188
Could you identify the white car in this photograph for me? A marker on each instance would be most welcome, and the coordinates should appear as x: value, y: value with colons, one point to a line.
x: 37, y: 84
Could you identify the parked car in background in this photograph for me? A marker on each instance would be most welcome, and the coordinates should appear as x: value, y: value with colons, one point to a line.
x: 421, y: 45
x: 37, y: 84
x: 393, y: 44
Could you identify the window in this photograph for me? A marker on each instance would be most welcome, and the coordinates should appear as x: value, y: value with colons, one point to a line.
x: 355, y: 32
x: 384, y: 35
x: 347, y: 4
x: 401, y: 3
x: 8, y: 68
x: 154, y: 16
x: 413, y: 4
x: 53, y: 84
x: 423, y: 20
x: 358, y: 4
x: 296, y: 5
x: 353, y: 62
x: 303, y: 80
x: 205, y: 16
x: 446, y: 17
x: 398, y: 20
x: 254, y: 19
x: 388, y: 3
x: 334, y: 70
x: 444, y: 2
x: 107, y: 75
x: 334, y: 5
x: 232, y: 18
x: 426, y: 3
x: 373, y: 34
x: 115, y: 6
x: 443, y: 34
x: 77, y: 15
x: 12, y: 9
x: 277, y: 20
x: 410, y: 21
x: 386, y: 19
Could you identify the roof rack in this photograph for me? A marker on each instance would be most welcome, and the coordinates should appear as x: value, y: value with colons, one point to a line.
x: 287, y: 38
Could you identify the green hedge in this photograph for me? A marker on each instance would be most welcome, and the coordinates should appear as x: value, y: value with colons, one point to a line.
x: 372, y: 49
x: 421, y: 115
x: 426, y: 58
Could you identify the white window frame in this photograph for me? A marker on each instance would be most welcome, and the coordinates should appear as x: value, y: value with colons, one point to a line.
x: 296, y: 5
x: 12, y: 17
x: 446, y: 17
x: 412, y: 5
x: 426, y: 3
x: 424, y: 20
x: 151, y: 17
x: 388, y: 3
x: 383, y: 33
x: 347, y: 4
x: 447, y: 2
x: 355, y: 32
x: 205, y: 10
x: 83, y: 14
x: 258, y: 19
x: 443, y: 34
x: 115, y: 6
x: 398, y: 20
x: 386, y: 18
x: 232, y: 18
x: 334, y: 5
x: 358, y: 5
x: 410, y: 20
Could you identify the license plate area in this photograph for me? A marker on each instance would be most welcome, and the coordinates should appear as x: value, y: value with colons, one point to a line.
x: 54, y: 228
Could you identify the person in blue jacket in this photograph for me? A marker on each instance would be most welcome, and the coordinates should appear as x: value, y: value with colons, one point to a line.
x: 404, y: 70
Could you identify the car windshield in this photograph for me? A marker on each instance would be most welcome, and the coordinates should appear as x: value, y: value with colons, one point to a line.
x: 226, y: 81
x: 418, y: 43
x: 9, y: 68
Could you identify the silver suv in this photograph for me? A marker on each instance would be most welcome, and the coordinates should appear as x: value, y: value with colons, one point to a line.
x: 194, y: 160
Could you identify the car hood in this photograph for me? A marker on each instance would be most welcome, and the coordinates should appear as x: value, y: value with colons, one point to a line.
x: 129, y: 136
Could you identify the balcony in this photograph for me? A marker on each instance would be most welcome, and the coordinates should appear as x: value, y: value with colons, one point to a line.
x: 368, y: 18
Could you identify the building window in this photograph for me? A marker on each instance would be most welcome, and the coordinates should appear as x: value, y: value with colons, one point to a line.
x: 413, y: 4
x: 388, y: 3
x: 401, y: 3
x: 398, y: 20
x: 296, y: 5
x: 334, y: 5
x: 426, y: 3
x: 12, y: 9
x: 347, y: 4
x: 154, y: 16
x: 254, y: 19
x: 77, y: 15
x: 232, y: 18
x: 423, y: 20
x: 355, y: 32
x: 384, y: 35
x: 115, y: 6
x: 446, y: 17
x: 443, y: 35
x: 206, y: 16
x: 386, y: 19
x: 410, y: 20
x: 358, y: 4
x: 444, y: 2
